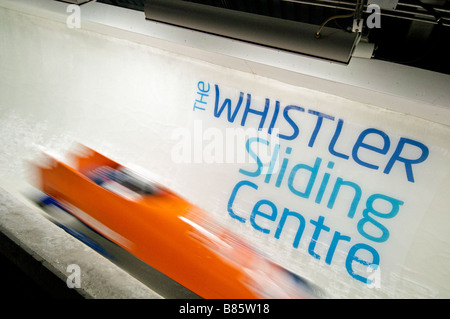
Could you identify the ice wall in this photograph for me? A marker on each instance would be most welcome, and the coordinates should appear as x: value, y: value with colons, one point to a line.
x: 141, y: 106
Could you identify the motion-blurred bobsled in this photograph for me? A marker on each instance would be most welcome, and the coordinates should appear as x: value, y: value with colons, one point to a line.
x: 164, y: 230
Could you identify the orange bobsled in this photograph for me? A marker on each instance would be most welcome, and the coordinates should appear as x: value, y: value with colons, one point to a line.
x: 165, y: 231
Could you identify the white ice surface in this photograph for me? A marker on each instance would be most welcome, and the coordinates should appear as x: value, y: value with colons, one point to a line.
x: 61, y: 86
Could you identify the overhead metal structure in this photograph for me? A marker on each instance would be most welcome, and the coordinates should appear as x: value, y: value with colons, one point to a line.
x: 334, y: 44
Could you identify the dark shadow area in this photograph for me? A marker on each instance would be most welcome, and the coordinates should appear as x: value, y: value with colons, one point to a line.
x: 23, y: 277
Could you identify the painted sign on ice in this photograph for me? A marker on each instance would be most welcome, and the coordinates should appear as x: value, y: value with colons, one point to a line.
x: 343, y: 188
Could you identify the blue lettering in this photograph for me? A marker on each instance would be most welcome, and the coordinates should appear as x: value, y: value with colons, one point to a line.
x: 320, y: 117
x: 257, y: 212
x: 290, y: 121
x: 233, y: 196
x: 274, y: 117
x: 356, y: 198
x: 267, y: 210
x: 231, y: 115
x: 314, y: 170
x: 360, y: 144
x: 395, y: 207
x: 247, y: 110
x: 283, y: 168
x: 203, y: 93
x: 408, y: 162
x: 273, y: 160
x: 334, y: 140
x: 336, y: 238
x: 400, y: 154
x: 352, y: 257
x: 323, y: 185
x: 301, y: 226
x: 250, y: 141
x: 319, y: 227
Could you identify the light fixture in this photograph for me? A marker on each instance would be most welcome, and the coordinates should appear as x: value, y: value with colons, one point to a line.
x: 333, y: 44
